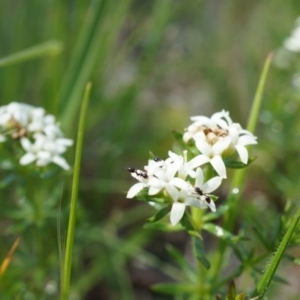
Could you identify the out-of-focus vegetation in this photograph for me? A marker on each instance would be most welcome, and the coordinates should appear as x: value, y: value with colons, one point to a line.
x: 153, y: 64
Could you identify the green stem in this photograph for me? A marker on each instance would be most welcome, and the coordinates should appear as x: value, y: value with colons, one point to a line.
x: 239, y: 175
x: 271, y: 269
x: 72, y: 216
x: 48, y: 48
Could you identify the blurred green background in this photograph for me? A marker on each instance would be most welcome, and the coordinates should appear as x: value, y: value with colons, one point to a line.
x: 153, y: 64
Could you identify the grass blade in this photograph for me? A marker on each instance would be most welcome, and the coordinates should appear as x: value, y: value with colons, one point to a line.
x: 48, y: 48
x: 72, y: 216
x: 271, y: 269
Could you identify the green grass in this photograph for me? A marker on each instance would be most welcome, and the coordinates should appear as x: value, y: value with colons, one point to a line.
x: 152, y: 65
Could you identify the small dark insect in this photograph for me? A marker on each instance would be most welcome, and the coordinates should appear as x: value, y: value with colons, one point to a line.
x: 139, y: 173
x: 131, y: 170
x: 199, y: 192
x: 156, y: 158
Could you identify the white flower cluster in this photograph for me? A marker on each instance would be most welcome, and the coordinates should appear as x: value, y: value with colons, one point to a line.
x: 169, y: 177
x: 182, y: 181
x: 292, y: 43
x: 218, y: 137
x: 39, y: 134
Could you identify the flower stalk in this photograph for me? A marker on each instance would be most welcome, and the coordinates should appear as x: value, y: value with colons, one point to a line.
x: 72, y: 215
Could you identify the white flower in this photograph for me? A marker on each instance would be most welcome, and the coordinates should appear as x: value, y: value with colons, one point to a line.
x: 185, y: 168
x: 38, y: 132
x: 212, y: 154
x: 239, y: 139
x: 142, y: 177
x: 44, y: 151
x: 188, y: 196
x: 218, y: 137
x: 292, y: 43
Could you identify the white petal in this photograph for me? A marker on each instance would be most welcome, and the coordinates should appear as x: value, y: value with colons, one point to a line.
x: 177, y: 212
x: 27, y: 158
x: 60, y: 161
x: 153, y: 190
x: 198, y: 161
x: 178, y: 182
x: 211, y: 185
x: 134, y: 190
x: 211, y: 205
x: 25, y: 143
x: 155, y: 186
x: 195, y: 202
x: 203, y: 147
x: 247, y: 140
x: 219, y: 166
x: 199, y: 178
x: 221, y: 145
x: 243, y: 153
x: 173, y: 192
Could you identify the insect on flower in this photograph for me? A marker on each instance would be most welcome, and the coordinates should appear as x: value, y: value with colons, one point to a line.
x: 202, y: 195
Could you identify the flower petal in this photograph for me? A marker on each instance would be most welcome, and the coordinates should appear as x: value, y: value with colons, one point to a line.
x: 198, y: 161
x: 211, y: 185
x: 211, y: 205
x: 60, y: 161
x: 199, y: 178
x: 177, y: 212
x: 247, y: 140
x: 135, y: 189
x: 195, y: 202
x: 219, y: 165
x: 243, y: 153
x: 203, y: 147
x: 221, y: 145
x: 25, y: 143
x: 178, y: 182
x: 27, y: 158
x: 173, y: 192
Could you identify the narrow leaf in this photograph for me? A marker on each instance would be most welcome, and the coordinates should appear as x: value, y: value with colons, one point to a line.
x: 272, y: 267
x: 187, y: 225
x: 198, y: 250
x: 74, y: 195
x: 182, y: 263
x: 8, y: 258
x: 160, y: 214
x: 239, y: 164
x: 221, y: 233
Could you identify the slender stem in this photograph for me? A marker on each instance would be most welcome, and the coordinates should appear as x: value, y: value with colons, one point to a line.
x: 72, y: 216
x: 271, y: 269
x: 48, y: 48
x: 239, y: 175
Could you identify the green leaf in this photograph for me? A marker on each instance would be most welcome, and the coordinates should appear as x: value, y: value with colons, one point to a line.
x: 221, y: 233
x: 187, y: 225
x: 240, y: 296
x: 239, y: 164
x: 7, y: 180
x: 215, y: 215
x: 182, y: 263
x: 162, y: 227
x: 179, y: 138
x: 198, y: 250
x: 272, y: 267
x: 175, y: 288
x: 143, y: 196
x: 232, y: 292
x: 160, y: 214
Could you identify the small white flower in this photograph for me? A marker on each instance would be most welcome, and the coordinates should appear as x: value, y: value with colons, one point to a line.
x: 185, y: 195
x: 38, y: 132
x: 44, y: 151
x: 142, y: 177
x: 239, y: 139
x: 212, y: 154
